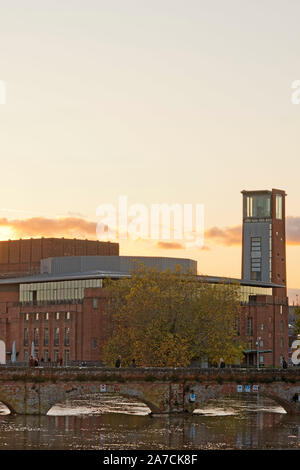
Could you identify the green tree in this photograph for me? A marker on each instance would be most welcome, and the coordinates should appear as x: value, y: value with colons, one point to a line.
x: 169, y: 318
x: 297, y: 320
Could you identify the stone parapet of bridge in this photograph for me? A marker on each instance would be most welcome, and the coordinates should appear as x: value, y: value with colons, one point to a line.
x: 27, y: 390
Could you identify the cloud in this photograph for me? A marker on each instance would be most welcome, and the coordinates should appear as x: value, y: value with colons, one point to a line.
x: 79, y: 227
x: 170, y: 245
x: 293, y: 230
x: 41, y: 226
x: 226, y: 236
x: 233, y: 235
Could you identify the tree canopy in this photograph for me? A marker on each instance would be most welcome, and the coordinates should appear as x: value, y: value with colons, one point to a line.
x: 297, y: 321
x: 167, y: 319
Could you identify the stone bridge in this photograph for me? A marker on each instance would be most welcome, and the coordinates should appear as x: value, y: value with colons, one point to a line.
x: 164, y: 390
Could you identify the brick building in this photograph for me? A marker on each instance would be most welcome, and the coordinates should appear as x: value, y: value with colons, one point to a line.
x: 22, y: 257
x: 51, y: 293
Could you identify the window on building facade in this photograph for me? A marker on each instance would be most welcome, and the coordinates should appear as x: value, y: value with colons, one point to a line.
x: 281, y: 342
x: 25, y: 336
x: 95, y: 303
x: 258, y: 205
x: 46, y: 355
x: 56, y: 355
x: 261, y: 359
x: 46, y: 316
x: 36, y: 336
x: 94, y: 343
x: 26, y: 316
x: 57, y: 316
x: 68, y: 316
x: 56, y: 336
x: 281, y: 325
x: 46, y: 336
x: 67, y: 336
x: 67, y: 356
x: 262, y: 326
x: 256, y: 258
x: 36, y: 316
x: 25, y: 355
x: 249, y: 326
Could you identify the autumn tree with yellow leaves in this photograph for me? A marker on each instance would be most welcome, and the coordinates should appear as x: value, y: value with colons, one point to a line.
x: 168, y: 319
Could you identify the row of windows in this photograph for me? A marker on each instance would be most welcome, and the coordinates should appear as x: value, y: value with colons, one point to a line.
x: 262, y: 326
x: 46, y: 357
x: 56, y: 291
x: 56, y: 336
x: 261, y: 343
x: 45, y: 316
x: 246, y: 291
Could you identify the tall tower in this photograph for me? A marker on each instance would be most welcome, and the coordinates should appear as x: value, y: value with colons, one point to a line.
x: 264, y: 252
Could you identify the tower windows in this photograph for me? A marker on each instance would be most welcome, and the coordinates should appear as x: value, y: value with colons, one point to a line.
x: 256, y: 258
x: 278, y: 206
x: 258, y: 205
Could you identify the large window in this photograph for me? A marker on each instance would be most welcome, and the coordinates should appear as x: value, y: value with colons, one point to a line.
x: 246, y: 291
x: 258, y: 205
x: 56, y: 292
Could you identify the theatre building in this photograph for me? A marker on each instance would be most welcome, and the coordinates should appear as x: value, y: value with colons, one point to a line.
x: 52, y: 295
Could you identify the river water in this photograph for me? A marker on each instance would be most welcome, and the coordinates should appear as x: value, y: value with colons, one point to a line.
x: 115, y: 423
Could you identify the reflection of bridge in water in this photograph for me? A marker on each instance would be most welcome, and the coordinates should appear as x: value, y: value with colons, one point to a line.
x: 250, y: 422
x: 163, y: 390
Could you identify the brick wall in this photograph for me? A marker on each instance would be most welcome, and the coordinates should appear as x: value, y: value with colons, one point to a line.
x: 21, y: 257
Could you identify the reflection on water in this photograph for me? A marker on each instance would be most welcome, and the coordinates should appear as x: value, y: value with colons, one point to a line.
x: 115, y: 423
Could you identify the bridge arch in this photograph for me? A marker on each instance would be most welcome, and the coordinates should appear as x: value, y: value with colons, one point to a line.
x: 5, y: 402
x: 138, y: 392
x: 106, y: 400
x: 281, y: 396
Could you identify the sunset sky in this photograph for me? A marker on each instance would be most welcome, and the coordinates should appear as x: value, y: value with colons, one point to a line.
x: 164, y: 101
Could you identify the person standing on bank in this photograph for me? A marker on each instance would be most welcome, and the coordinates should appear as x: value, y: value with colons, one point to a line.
x: 284, y: 363
x: 118, y: 362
